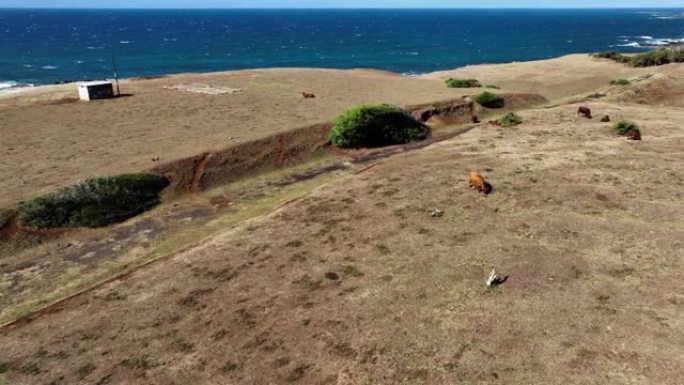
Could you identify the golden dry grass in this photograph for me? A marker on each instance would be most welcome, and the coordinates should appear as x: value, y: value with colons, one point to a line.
x: 357, y: 283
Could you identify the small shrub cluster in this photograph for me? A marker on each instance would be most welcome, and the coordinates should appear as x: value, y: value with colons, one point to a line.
x: 612, y: 55
x: 658, y: 57
x: 489, y: 100
x: 462, y: 83
x: 95, y: 202
x: 647, y: 59
x: 619, y: 82
x: 511, y: 119
x: 376, y: 126
x: 623, y: 127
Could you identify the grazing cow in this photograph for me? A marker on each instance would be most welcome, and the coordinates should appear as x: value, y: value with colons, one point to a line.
x: 605, y: 119
x: 633, y: 134
x: 584, y: 111
x: 308, y: 96
x: 476, y: 181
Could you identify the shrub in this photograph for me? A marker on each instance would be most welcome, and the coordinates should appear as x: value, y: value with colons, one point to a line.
x: 489, y: 100
x: 511, y: 119
x: 462, y: 83
x: 94, y: 202
x: 657, y: 57
x: 613, y: 55
x: 647, y: 59
x: 623, y: 126
x: 376, y: 126
x: 492, y: 86
x: 619, y: 82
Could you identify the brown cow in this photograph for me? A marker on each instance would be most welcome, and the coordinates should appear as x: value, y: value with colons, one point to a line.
x: 584, y: 111
x: 476, y: 181
x: 308, y: 96
x: 605, y: 119
x: 633, y: 134
x: 475, y: 119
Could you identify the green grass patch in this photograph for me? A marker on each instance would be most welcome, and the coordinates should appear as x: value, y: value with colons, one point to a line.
x: 376, y: 126
x: 511, y: 119
x: 623, y: 127
x: 619, y: 82
x: 462, y: 83
x: 95, y: 202
x: 382, y: 248
x: 489, y: 100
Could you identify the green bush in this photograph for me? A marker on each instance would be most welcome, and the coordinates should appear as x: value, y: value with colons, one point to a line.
x: 511, y: 119
x: 462, y: 83
x: 489, y: 100
x: 622, y: 127
x: 657, y: 57
x: 647, y: 59
x: 94, y: 202
x: 613, y: 55
x: 376, y: 126
x: 619, y: 82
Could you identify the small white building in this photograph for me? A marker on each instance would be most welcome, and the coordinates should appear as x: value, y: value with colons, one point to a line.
x: 96, y: 90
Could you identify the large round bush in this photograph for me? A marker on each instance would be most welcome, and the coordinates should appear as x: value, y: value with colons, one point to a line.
x: 94, y: 202
x: 376, y: 126
x: 462, y: 83
x: 489, y: 100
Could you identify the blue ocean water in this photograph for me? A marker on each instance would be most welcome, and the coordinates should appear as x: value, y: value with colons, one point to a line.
x: 46, y: 46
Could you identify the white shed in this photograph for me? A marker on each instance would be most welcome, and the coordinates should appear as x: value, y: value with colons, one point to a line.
x: 95, y: 90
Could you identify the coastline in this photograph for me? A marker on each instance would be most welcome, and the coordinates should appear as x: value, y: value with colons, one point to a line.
x: 68, y: 85
x: 231, y: 40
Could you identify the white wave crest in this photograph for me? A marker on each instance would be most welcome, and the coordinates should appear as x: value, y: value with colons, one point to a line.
x: 12, y: 87
x: 7, y: 84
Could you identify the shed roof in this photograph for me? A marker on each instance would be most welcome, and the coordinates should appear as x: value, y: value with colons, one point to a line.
x: 94, y: 83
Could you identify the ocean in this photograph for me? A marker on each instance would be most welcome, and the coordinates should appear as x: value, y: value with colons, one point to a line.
x: 47, y: 46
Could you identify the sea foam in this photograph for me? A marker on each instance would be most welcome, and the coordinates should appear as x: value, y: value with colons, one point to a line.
x: 7, y: 84
x: 11, y: 87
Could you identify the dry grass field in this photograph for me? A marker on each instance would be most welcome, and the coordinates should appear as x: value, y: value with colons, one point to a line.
x: 347, y: 278
x: 49, y: 139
